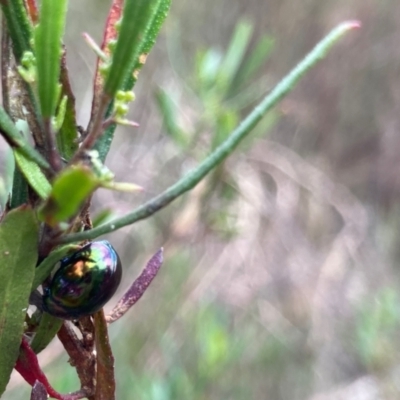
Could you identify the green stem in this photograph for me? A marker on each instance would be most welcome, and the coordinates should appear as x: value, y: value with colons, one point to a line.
x: 227, y: 147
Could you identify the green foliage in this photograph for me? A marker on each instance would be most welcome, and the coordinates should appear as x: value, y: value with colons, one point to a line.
x: 18, y: 255
x: 47, y: 38
x: 33, y: 174
x: 46, y: 331
x: 103, y: 144
x: 136, y: 21
x: 17, y: 141
x: 68, y: 193
x: 59, y: 195
x: 19, y: 27
x: 218, y: 82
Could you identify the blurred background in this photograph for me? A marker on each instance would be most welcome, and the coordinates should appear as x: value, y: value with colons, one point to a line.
x: 281, y: 277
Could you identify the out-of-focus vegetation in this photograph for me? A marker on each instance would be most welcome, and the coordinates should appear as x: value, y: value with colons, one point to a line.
x: 281, y: 270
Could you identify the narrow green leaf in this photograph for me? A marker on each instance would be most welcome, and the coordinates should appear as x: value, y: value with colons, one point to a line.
x: 102, y: 216
x: 136, y: 19
x: 48, y: 328
x: 234, y: 56
x: 70, y: 189
x: 44, y: 269
x: 67, y: 137
x: 18, y: 25
x: 13, y: 137
x: 18, y: 256
x: 33, y: 175
x: 255, y: 60
x: 149, y: 40
x: 168, y: 111
x: 103, y: 144
x: 19, y: 194
x: 48, y: 35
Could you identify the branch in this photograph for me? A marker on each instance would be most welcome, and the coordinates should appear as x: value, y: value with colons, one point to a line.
x: 227, y: 147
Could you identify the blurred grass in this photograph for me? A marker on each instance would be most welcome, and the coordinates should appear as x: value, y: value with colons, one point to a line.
x: 281, y: 275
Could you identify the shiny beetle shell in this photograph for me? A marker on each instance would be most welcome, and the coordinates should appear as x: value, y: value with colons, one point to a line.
x: 85, y: 281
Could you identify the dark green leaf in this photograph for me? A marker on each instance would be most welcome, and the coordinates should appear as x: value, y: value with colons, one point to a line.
x: 48, y: 328
x: 18, y: 257
x: 67, y: 142
x: 48, y: 35
x: 33, y: 175
x: 18, y: 25
x: 19, y: 194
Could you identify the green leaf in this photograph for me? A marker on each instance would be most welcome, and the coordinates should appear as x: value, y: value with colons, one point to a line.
x: 67, y: 137
x: 18, y: 25
x: 168, y: 110
x: 234, y: 56
x: 149, y: 40
x: 47, y: 36
x: 19, y: 194
x: 33, y: 175
x: 103, y: 144
x: 102, y: 216
x: 255, y: 60
x: 136, y: 18
x: 207, y: 65
x: 70, y: 189
x: 18, y: 256
x: 13, y: 137
x: 48, y: 328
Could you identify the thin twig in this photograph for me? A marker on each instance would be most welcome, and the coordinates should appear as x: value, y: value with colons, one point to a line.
x: 227, y: 147
x: 96, y: 130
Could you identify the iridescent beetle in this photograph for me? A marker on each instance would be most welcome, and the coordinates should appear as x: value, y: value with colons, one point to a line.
x: 85, y: 281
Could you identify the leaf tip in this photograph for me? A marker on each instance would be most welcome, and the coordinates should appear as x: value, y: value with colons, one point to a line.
x: 352, y: 24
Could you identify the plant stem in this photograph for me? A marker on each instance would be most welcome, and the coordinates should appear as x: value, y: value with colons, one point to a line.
x: 95, y: 131
x: 227, y: 147
x: 53, y: 155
